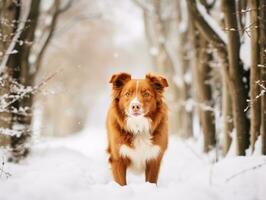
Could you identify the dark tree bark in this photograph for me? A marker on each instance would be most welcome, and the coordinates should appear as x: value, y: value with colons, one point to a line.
x: 230, y: 55
x: 227, y: 114
x: 262, y: 41
x: 201, y: 73
x: 241, y: 16
x: 254, y: 74
x: 9, y: 14
x: 19, y: 65
x: 25, y: 72
x: 235, y: 76
x: 206, y: 31
x: 214, y: 39
x: 205, y: 96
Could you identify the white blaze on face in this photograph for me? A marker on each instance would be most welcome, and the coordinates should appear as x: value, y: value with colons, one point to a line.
x: 137, y: 87
x: 137, y: 124
x: 135, y: 101
x: 140, y: 127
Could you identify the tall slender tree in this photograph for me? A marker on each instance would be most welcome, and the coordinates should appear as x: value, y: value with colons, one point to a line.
x: 184, y: 68
x: 22, y: 71
x: 262, y: 42
x: 19, y: 65
x: 8, y: 25
x: 254, y: 74
x: 235, y: 76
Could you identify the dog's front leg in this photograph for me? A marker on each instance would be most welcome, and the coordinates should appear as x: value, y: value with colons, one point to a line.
x: 152, y: 169
x: 119, y: 171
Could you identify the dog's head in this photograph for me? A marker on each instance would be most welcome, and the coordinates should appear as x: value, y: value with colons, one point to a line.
x: 138, y: 98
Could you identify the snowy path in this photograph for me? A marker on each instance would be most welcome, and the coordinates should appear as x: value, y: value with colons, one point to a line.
x: 75, y: 168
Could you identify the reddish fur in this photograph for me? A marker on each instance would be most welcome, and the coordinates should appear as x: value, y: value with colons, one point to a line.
x: 116, y: 126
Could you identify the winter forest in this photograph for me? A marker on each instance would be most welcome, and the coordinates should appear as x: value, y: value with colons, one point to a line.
x: 56, y: 60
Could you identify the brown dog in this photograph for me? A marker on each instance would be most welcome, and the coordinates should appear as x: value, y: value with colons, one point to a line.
x: 137, y: 126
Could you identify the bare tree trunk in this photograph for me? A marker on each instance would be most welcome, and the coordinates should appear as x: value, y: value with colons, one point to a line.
x: 229, y: 54
x: 23, y: 73
x: 157, y: 36
x: 254, y: 74
x: 207, y: 33
x: 204, y: 95
x: 241, y: 16
x: 53, y: 12
x: 226, y: 112
x: 19, y: 64
x: 237, y: 89
x: 9, y: 13
x: 206, y: 30
x: 164, y: 63
x: 262, y: 41
x: 148, y: 35
x: 185, y: 87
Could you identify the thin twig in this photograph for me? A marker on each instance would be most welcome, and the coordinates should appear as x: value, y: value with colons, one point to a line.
x: 262, y: 93
x: 34, y: 90
x: 66, y: 6
x: 145, y: 8
x: 2, y: 171
x: 25, y: 8
x: 245, y: 170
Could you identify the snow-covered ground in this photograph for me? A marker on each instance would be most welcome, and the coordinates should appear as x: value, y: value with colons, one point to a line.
x: 76, y: 168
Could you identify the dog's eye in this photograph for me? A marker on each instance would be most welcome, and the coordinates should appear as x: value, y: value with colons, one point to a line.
x: 127, y: 94
x: 146, y: 94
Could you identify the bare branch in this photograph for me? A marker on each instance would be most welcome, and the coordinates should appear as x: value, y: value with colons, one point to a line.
x: 66, y: 6
x: 207, y: 5
x: 145, y: 7
x: 245, y: 170
x: 33, y: 90
x: 207, y: 32
x: 54, y: 12
x: 25, y: 10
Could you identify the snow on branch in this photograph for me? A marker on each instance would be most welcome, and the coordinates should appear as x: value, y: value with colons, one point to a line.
x: 19, y: 91
x: 24, y: 13
x: 212, y: 23
x: 262, y: 93
x: 204, y: 24
x: 10, y: 132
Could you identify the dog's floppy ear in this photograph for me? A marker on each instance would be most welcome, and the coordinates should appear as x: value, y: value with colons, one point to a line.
x: 158, y: 82
x: 119, y: 80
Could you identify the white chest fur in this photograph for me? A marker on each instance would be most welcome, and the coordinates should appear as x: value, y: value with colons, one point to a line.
x: 142, y: 151
x: 138, y: 124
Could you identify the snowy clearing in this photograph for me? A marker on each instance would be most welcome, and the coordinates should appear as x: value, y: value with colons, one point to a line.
x: 76, y: 167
